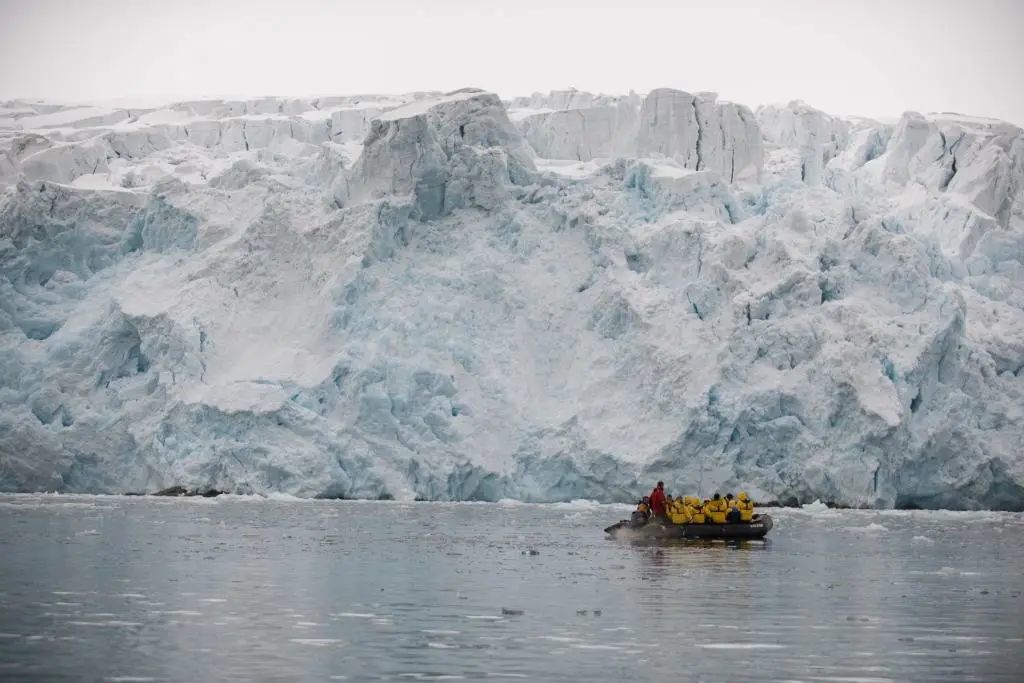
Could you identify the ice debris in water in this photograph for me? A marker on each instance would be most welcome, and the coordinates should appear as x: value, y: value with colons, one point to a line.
x: 815, y: 508
x: 564, y: 296
x: 953, y: 571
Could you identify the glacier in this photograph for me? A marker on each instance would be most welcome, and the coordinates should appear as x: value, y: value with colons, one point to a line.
x: 561, y: 296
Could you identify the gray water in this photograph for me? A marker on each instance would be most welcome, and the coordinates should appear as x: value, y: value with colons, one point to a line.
x: 130, y: 589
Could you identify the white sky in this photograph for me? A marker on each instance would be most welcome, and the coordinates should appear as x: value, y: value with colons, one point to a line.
x: 869, y: 57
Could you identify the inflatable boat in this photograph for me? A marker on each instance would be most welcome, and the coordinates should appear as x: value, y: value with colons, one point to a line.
x: 657, y: 529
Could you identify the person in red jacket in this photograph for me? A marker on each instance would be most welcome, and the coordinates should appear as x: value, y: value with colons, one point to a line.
x: 658, y: 500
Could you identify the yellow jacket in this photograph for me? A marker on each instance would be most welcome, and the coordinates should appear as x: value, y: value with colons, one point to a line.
x: 677, y: 512
x: 694, y: 511
x: 715, y: 510
x: 745, y: 506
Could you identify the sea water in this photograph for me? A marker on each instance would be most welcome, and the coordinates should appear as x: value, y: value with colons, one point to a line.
x: 236, y: 588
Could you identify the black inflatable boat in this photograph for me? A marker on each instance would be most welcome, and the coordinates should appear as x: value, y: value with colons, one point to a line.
x: 656, y: 529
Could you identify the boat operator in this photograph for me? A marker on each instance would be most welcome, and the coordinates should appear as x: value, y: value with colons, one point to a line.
x: 658, y: 500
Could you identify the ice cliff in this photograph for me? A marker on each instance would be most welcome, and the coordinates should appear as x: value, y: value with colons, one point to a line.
x: 562, y: 296
x: 695, y: 130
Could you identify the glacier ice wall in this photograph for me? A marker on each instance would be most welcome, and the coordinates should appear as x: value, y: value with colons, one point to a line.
x: 567, y: 295
x: 817, y: 136
x: 694, y: 130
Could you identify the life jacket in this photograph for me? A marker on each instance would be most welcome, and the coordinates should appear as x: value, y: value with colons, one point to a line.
x: 672, y: 512
x: 694, y: 512
x: 715, y: 510
x: 642, y: 507
x: 702, y: 508
x: 745, y: 506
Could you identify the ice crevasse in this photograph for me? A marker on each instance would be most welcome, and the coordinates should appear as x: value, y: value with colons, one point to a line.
x: 567, y: 295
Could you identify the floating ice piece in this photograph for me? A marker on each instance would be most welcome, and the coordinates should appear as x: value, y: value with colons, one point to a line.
x: 740, y: 646
x: 815, y: 508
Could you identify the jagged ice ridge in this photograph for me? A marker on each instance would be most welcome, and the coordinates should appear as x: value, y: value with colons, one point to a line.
x: 561, y: 296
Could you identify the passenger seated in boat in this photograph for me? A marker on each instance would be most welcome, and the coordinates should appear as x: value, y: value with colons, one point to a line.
x: 677, y: 511
x: 745, y: 506
x: 674, y: 510
x: 715, y: 510
x: 693, y: 510
x: 642, y: 512
x: 732, y: 513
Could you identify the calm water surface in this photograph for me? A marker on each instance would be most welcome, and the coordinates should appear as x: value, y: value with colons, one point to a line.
x: 129, y: 589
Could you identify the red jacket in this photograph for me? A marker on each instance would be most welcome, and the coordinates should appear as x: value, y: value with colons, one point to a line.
x: 658, y: 502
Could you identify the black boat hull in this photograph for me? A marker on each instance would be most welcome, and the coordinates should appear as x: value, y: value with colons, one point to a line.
x: 661, y: 530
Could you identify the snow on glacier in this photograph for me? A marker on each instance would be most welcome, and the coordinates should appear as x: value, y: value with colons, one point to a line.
x: 559, y: 297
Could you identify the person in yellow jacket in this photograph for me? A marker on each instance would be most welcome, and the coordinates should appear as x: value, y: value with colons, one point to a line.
x: 677, y: 511
x: 693, y: 509
x: 732, y: 512
x: 716, y: 509
x: 642, y: 512
x: 745, y: 506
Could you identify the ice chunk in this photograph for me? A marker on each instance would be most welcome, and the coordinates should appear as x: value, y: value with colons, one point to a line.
x: 815, y: 508
x: 818, y: 136
x: 701, y: 134
x: 445, y: 152
x: 583, y: 134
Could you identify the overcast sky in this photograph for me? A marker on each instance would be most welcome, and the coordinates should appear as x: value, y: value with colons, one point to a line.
x: 869, y: 57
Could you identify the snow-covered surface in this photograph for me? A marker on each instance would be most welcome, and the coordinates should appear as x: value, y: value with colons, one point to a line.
x: 405, y: 296
x: 568, y: 168
x: 422, y: 106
